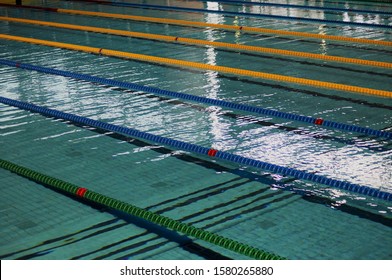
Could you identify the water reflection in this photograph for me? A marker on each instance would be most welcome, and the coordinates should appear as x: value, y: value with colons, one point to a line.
x: 290, y: 12
x: 323, y: 45
x: 238, y: 32
x: 212, y: 77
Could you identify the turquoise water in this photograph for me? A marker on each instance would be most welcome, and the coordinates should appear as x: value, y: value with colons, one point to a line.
x: 292, y: 218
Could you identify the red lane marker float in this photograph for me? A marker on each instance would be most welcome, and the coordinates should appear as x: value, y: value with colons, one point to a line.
x: 319, y: 121
x: 212, y: 152
x: 81, y: 192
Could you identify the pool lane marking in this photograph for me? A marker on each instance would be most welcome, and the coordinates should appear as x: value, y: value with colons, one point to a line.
x: 44, y: 245
x: 191, y: 41
x: 202, y: 66
x: 204, y: 151
x: 244, y: 29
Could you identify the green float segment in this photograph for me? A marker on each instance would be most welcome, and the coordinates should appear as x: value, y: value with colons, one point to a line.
x: 180, y: 145
x: 203, y: 100
x: 149, y: 216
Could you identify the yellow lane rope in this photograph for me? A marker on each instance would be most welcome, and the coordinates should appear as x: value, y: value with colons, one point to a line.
x: 203, y: 42
x: 227, y: 27
x: 202, y: 66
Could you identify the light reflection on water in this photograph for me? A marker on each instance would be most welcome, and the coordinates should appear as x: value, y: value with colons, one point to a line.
x: 349, y: 163
x: 207, y: 126
x: 129, y: 168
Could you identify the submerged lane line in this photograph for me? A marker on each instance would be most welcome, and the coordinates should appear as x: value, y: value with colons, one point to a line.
x: 244, y: 29
x: 202, y: 66
x: 191, y: 41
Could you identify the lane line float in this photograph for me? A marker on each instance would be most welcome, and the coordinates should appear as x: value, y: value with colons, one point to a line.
x: 198, y: 42
x: 204, y: 151
x: 202, y: 66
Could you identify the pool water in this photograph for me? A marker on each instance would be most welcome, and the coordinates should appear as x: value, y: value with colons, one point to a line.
x: 296, y: 219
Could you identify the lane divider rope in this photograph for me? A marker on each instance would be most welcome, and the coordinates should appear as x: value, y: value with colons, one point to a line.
x: 135, y: 211
x: 241, y: 14
x: 202, y: 66
x: 191, y: 41
x: 306, y: 7
x: 204, y: 100
x: 184, y: 146
x: 244, y: 29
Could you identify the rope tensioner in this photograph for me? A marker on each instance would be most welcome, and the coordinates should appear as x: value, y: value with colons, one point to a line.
x: 204, y: 100
x: 190, y: 41
x: 201, y: 66
x: 363, y: 190
x: 133, y: 210
x: 210, y: 25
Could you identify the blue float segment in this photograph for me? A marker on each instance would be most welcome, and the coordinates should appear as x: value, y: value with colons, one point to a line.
x: 204, y: 100
x: 364, y: 190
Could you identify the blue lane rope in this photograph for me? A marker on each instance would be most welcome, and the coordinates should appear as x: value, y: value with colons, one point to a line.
x: 204, y: 100
x: 243, y: 14
x: 180, y: 145
x: 307, y: 7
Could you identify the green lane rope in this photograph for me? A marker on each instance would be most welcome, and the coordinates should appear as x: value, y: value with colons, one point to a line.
x: 150, y: 216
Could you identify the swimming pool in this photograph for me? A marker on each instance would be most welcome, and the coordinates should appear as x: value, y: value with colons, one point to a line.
x: 296, y: 219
